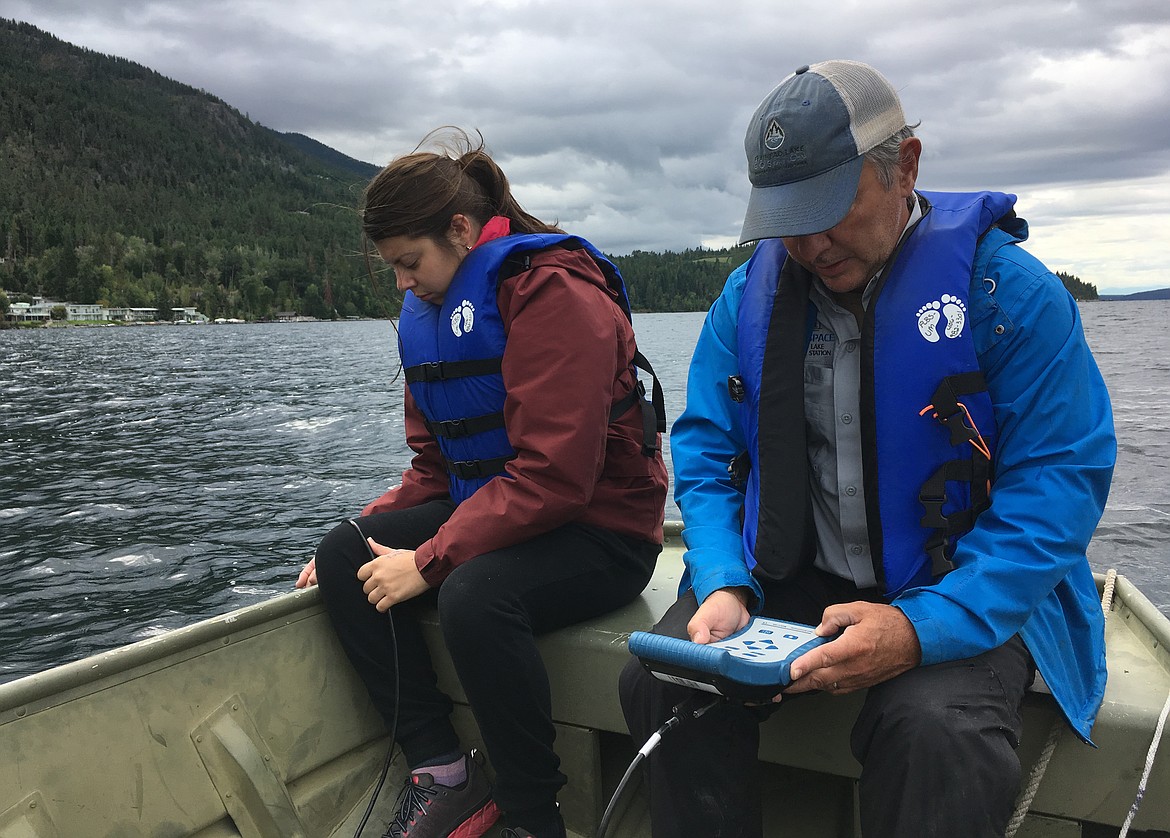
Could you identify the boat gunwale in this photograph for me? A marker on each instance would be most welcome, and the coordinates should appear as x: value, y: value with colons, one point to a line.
x: 84, y: 676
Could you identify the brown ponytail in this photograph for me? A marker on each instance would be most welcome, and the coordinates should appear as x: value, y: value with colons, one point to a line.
x: 418, y: 193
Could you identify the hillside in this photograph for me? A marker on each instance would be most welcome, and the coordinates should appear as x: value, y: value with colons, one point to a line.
x: 1158, y: 294
x: 363, y: 171
x: 127, y: 188
x: 122, y: 186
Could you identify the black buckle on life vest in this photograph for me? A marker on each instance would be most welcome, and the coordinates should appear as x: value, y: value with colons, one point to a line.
x: 475, y: 469
x: 432, y: 371
x: 442, y: 370
x: 933, y: 495
x: 947, y: 408
x: 735, y: 388
x: 458, y: 428
x: 939, y: 551
x: 515, y: 264
x: 738, y: 469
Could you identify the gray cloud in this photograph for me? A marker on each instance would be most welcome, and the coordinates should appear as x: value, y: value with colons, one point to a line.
x: 625, y: 120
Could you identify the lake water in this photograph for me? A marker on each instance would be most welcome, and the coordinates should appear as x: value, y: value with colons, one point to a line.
x: 151, y: 477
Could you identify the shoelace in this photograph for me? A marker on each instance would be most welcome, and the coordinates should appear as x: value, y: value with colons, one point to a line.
x: 412, y: 801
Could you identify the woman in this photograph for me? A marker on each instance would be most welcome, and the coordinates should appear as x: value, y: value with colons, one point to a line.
x: 534, y: 500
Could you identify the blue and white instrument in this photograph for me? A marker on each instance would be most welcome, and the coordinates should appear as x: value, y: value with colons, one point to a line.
x: 751, y: 665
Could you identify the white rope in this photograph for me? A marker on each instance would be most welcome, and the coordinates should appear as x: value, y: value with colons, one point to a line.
x: 1107, y: 591
x: 1024, y: 801
x: 1137, y: 801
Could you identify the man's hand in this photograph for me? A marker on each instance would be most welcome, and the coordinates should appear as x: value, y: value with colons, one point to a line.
x: 722, y: 614
x: 877, y: 642
x: 391, y: 578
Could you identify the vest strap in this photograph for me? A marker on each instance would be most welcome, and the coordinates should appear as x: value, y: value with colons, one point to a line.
x: 939, y: 551
x: 475, y: 469
x: 653, y: 409
x: 932, y: 496
x: 520, y: 262
x: 949, y: 410
x: 458, y: 428
x: 442, y: 370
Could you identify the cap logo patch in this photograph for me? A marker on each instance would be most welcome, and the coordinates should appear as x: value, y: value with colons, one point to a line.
x: 773, y: 136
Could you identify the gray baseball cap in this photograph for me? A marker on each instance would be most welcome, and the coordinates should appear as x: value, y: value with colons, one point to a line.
x: 805, y: 144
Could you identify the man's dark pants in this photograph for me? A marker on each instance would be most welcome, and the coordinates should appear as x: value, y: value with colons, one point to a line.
x: 936, y: 744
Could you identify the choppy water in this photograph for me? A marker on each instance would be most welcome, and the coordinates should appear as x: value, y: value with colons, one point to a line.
x: 154, y: 476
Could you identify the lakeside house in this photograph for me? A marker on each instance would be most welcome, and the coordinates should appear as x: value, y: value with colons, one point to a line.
x: 41, y: 309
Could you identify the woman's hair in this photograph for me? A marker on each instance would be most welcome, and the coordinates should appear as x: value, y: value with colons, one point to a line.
x: 418, y: 193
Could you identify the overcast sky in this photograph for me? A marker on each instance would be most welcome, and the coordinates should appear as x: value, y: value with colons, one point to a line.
x: 624, y: 119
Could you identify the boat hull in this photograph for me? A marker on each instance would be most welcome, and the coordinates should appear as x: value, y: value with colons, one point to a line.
x: 254, y: 724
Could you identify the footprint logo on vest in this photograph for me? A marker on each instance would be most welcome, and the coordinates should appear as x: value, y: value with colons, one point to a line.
x: 947, y: 311
x: 463, y: 318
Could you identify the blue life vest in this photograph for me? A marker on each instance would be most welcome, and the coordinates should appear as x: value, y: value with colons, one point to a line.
x: 925, y: 482
x: 452, y: 355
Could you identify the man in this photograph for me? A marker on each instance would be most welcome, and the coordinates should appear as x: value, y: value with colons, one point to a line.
x: 920, y: 445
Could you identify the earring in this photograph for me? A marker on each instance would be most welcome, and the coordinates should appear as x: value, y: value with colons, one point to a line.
x: 467, y: 246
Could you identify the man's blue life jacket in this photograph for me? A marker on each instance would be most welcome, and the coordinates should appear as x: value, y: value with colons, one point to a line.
x: 928, y: 431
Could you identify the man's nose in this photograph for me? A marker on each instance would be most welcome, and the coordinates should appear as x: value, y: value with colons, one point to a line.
x: 807, y: 248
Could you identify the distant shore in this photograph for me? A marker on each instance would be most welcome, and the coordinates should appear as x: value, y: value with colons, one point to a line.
x: 65, y: 324
x: 1141, y: 296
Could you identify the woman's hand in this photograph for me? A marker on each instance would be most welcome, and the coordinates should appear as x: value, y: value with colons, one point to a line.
x: 308, y: 575
x: 390, y: 578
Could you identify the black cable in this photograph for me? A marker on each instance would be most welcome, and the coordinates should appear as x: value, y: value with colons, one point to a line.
x: 689, y: 708
x: 394, y: 726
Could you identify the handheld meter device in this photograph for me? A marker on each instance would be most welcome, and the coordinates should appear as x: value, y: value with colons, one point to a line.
x: 750, y: 665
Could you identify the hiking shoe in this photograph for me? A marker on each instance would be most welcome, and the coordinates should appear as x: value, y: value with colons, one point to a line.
x: 426, y: 809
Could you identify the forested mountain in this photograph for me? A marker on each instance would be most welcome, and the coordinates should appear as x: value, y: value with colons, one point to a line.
x: 687, y: 281
x: 363, y: 171
x: 123, y: 187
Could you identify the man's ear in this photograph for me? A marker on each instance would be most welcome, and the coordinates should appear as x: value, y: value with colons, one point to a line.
x: 908, y: 155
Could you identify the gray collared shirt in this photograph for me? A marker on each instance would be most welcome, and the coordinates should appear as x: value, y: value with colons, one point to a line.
x: 832, y: 399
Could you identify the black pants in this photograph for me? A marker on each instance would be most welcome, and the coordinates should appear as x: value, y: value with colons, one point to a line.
x: 936, y: 744
x: 490, y: 610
